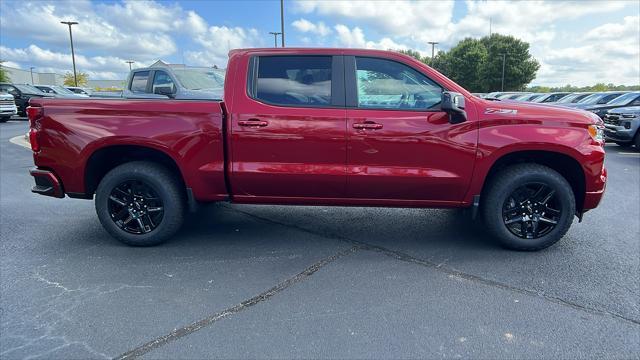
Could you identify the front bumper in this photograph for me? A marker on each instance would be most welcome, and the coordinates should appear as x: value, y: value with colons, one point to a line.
x: 8, y: 110
x: 593, y: 198
x: 47, y: 183
x: 620, y: 128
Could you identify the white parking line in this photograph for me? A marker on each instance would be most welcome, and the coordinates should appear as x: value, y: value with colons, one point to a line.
x: 629, y: 153
x: 21, y: 140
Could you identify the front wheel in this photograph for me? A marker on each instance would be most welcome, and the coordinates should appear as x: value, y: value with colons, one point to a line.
x: 140, y: 203
x: 528, y: 207
x: 4, y: 119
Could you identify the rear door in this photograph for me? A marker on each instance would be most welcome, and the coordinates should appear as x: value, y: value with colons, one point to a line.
x: 288, y: 133
x: 401, y: 145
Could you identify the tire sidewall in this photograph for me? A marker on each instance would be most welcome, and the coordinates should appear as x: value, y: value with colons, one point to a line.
x: 171, y: 209
x: 564, y: 195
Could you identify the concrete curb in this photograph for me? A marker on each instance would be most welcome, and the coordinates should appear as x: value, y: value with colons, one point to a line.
x: 21, y: 140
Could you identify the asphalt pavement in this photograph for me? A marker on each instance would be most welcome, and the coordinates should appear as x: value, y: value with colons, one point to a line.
x: 315, y: 282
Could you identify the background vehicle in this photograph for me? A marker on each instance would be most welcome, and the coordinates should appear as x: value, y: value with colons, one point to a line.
x: 622, y: 126
x: 59, y: 91
x: 528, y: 97
x: 571, y: 98
x: 79, y: 90
x: 513, y: 96
x: 550, y: 97
x: 595, y: 99
x: 323, y: 126
x: 628, y: 99
x: 21, y: 95
x: 7, y: 107
x: 176, y: 83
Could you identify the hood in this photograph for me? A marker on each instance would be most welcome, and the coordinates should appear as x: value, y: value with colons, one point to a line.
x: 626, y: 110
x: 524, y: 111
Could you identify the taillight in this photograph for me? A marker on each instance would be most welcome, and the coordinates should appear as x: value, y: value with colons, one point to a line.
x: 33, y: 140
x: 34, y: 113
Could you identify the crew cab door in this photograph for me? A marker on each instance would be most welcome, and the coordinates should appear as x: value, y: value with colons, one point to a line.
x: 401, y: 145
x: 288, y: 133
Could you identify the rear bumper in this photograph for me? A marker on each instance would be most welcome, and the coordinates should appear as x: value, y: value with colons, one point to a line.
x: 47, y: 183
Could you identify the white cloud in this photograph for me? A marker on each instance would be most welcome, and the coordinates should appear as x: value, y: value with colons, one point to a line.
x: 306, y: 26
x: 354, y: 38
x: 218, y: 40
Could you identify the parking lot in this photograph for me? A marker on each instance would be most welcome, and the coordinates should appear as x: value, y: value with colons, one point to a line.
x: 300, y: 282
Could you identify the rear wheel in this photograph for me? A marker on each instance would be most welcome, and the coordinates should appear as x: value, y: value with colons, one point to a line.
x: 140, y: 203
x: 636, y: 142
x: 528, y: 207
x: 4, y: 119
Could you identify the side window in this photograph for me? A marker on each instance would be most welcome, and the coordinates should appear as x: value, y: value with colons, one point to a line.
x: 386, y: 84
x: 162, y: 79
x: 139, y: 81
x: 294, y: 80
x: 636, y: 101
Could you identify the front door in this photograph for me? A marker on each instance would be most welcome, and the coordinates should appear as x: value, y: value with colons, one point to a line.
x: 289, y: 135
x: 401, y: 146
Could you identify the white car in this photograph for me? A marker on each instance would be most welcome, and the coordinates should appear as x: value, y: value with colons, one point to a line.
x: 59, y: 91
x: 7, y: 107
x: 80, y: 90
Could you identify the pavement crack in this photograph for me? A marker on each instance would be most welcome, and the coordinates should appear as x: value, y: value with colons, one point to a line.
x: 193, y: 327
x: 442, y: 267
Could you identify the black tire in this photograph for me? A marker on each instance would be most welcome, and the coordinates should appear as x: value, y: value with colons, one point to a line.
x: 154, y: 179
x: 636, y: 141
x: 624, y: 144
x: 4, y: 119
x: 498, y: 207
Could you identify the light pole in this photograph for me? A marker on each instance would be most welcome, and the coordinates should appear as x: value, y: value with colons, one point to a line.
x: 504, y: 60
x: 31, y: 70
x: 433, y: 48
x: 282, y: 20
x: 73, y: 55
x: 275, y: 37
x: 129, y: 62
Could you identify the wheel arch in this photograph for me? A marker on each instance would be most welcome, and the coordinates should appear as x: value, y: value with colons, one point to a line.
x: 564, y: 164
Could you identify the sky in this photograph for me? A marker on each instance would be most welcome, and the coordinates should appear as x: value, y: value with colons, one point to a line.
x: 576, y: 42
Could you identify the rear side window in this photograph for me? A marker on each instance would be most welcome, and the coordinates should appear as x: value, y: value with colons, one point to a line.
x: 386, y: 84
x: 139, y: 81
x: 293, y: 80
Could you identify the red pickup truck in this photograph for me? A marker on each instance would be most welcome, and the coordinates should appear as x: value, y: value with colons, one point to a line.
x: 338, y: 127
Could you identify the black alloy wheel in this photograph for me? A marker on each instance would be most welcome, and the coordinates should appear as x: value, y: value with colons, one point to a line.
x: 531, y: 211
x: 135, y: 207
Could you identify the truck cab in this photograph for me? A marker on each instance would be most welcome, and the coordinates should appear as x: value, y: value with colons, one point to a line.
x: 179, y: 82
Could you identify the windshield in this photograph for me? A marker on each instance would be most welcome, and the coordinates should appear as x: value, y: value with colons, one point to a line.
x: 569, y: 98
x: 200, y: 78
x: 61, y: 90
x: 624, y: 99
x: 592, y: 99
x: 541, y: 98
x: 28, y: 89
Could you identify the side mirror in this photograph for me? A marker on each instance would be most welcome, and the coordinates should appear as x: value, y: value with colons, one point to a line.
x: 453, y: 104
x: 163, y: 90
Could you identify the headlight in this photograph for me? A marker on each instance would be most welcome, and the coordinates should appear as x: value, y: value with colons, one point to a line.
x: 596, y: 132
x: 628, y: 116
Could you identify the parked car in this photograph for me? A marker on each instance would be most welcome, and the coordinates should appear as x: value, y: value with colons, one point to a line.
x: 513, y: 96
x: 59, y: 91
x: 21, y: 95
x: 595, y: 99
x: 322, y: 126
x: 7, y: 107
x: 79, y: 90
x: 528, y: 97
x: 628, y: 99
x: 175, y: 83
x: 550, y: 97
x: 499, y: 94
x: 622, y: 126
x: 571, y: 98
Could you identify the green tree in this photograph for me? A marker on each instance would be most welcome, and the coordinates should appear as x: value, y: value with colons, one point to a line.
x: 520, y: 66
x: 4, y: 75
x: 467, y: 64
x: 413, y: 54
x: 69, y: 80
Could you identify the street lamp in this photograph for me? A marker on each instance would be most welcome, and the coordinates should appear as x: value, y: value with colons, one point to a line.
x: 275, y: 37
x: 433, y: 47
x: 73, y: 55
x: 31, y: 70
x: 129, y: 62
x: 504, y: 60
x: 282, y: 20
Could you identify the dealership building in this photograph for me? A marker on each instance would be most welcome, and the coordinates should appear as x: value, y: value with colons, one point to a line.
x: 21, y: 76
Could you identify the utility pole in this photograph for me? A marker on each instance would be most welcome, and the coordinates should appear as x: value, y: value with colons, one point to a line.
x: 489, y: 27
x: 433, y: 48
x: 275, y: 37
x: 31, y: 70
x: 73, y: 55
x: 504, y: 60
x: 129, y: 62
x: 282, y: 20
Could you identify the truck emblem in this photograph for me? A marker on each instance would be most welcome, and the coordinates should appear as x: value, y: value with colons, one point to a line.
x: 500, y: 111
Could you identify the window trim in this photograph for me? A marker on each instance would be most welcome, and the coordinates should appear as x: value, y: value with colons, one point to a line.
x: 337, y: 82
x: 351, y: 84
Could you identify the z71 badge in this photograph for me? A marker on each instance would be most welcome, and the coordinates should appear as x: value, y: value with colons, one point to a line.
x: 500, y: 111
